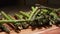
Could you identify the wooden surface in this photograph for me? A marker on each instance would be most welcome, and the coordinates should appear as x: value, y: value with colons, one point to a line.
x: 51, y: 30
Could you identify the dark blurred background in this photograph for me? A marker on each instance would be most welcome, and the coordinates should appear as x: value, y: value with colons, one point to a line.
x: 7, y: 2
x: 9, y: 5
x: 28, y: 3
x: 4, y: 3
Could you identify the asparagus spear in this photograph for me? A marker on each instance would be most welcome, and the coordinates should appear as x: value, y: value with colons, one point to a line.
x: 8, y: 18
x: 34, y: 16
x: 14, y: 21
x: 15, y: 24
x: 5, y: 15
x: 19, y: 16
x: 24, y: 14
x: 24, y: 24
x: 33, y: 12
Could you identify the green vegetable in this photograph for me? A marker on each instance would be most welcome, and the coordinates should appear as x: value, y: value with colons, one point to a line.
x: 33, y: 12
x: 24, y: 14
x: 35, y: 18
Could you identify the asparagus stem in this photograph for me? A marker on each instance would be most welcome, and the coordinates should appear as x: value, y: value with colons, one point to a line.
x: 24, y: 24
x: 19, y: 16
x: 5, y: 15
x: 33, y: 11
x: 14, y: 21
x: 24, y: 14
x: 10, y: 18
x: 16, y: 26
x: 34, y: 16
x: 33, y: 8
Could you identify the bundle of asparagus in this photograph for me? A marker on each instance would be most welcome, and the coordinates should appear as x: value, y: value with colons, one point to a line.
x: 35, y: 18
